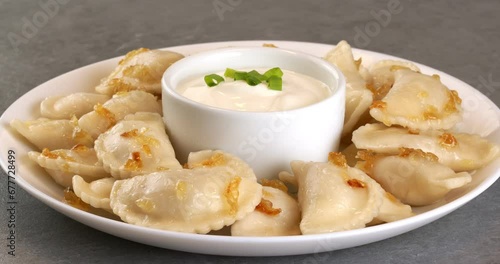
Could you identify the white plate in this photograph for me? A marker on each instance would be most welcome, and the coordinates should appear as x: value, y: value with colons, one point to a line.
x: 481, y: 116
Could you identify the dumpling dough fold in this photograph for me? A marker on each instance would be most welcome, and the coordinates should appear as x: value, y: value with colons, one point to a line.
x: 419, y: 102
x: 141, y: 69
x: 136, y: 145
x: 62, y: 164
x: 115, y: 109
x: 334, y: 197
x: 459, y: 151
x: 358, y: 97
x: 194, y: 200
x: 277, y: 214
x: 414, y: 177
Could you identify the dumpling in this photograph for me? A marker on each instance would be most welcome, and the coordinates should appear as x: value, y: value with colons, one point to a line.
x: 363, y: 71
x: 277, y: 214
x: 392, y: 209
x: 136, y: 145
x: 419, y: 102
x: 414, y: 177
x: 358, y: 97
x: 52, y: 134
x: 65, y: 107
x: 382, y: 73
x: 141, y: 69
x: 459, y: 151
x: 63, y: 164
x: 216, y: 158
x: 106, y: 115
x: 95, y: 193
x: 334, y: 197
x: 188, y: 200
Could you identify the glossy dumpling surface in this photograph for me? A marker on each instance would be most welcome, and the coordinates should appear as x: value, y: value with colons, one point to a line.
x: 415, y: 177
x: 120, y: 105
x: 95, y: 193
x: 382, y: 73
x: 141, y: 69
x: 65, y: 107
x: 459, y: 151
x: 335, y: 197
x: 136, y: 145
x: 277, y: 214
x: 392, y: 209
x: 358, y: 97
x: 419, y: 102
x: 188, y: 200
x: 217, y: 158
x: 52, y: 134
x: 63, y: 164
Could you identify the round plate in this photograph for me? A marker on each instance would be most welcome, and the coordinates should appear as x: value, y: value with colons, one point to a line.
x: 481, y: 116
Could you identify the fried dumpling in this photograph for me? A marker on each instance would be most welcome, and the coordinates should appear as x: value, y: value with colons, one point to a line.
x: 358, y: 97
x: 106, y: 115
x: 414, y: 177
x: 216, y: 158
x: 334, y: 197
x: 63, y: 164
x: 392, y: 209
x: 65, y: 107
x: 141, y: 69
x: 95, y: 193
x: 382, y: 73
x: 459, y: 151
x: 136, y: 145
x: 277, y: 214
x: 419, y: 102
x: 52, y: 134
x: 188, y: 200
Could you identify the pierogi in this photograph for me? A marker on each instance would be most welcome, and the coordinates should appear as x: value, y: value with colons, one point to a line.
x: 136, y: 145
x: 62, y: 164
x: 188, y: 200
x: 414, y: 177
x: 141, y: 69
x: 459, y: 151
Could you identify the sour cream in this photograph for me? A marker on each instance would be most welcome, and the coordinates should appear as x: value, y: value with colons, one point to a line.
x: 298, y: 90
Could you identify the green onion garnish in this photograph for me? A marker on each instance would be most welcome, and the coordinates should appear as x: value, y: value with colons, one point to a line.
x: 275, y: 83
x: 252, y: 80
x: 213, y: 79
x: 257, y: 75
x: 273, y: 72
x: 238, y: 75
x: 229, y: 73
x: 272, y: 77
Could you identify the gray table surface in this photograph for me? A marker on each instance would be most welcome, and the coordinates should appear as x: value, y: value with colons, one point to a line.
x: 458, y: 37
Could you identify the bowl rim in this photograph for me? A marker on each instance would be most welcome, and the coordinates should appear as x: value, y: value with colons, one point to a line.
x: 339, y: 80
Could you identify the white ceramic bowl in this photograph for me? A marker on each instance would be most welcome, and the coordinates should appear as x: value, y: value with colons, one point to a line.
x: 268, y: 141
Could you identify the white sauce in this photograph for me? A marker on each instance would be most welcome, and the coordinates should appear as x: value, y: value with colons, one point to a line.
x: 299, y: 90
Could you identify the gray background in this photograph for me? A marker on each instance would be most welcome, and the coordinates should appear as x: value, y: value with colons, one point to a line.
x: 458, y: 37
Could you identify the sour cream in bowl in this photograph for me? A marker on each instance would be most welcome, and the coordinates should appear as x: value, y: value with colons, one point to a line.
x: 264, y: 124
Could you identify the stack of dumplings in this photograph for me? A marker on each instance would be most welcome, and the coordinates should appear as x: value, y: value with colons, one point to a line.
x: 407, y: 144
x: 111, y: 152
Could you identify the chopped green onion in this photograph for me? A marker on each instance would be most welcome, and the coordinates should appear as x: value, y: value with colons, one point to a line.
x: 257, y: 75
x: 238, y: 75
x: 252, y: 80
x: 273, y: 72
x: 275, y: 83
x: 229, y: 73
x: 213, y: 79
